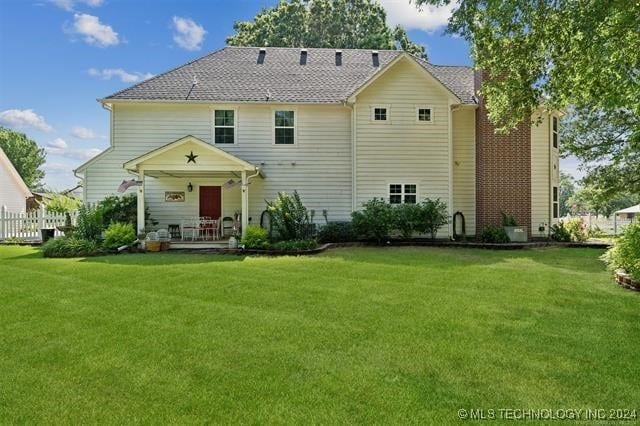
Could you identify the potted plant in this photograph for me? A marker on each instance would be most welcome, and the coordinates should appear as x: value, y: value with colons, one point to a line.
x: 516, y: 233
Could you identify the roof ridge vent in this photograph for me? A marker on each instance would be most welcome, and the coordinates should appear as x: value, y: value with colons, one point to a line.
x: 375, y: 58
x: 303, y: 56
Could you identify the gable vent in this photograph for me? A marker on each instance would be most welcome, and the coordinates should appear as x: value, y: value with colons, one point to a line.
x: 374, y: 58
x: 338, y: 57
x: 303, y: 56
x: 261, y: 55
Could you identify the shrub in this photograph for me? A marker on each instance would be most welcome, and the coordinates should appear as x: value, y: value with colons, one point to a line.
x: 62, y: 204
x: 123, y: 209
x: 374, y: 221
x: 70, y: 247
x: 336, y: 232
x: 625, y: 254
x: 406, y: 218
x: 295, y: 245
x: 255, y: 238
x: 560, y: 233
x: 89, y: 223
x: 289, y: 218
x: 118, y: 235
x: 494, y: 234
x: 575, y: 228
x: 508, y: 220
x: 433, y: 215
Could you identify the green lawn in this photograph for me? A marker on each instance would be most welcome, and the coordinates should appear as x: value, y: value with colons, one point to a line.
x: 364, y: 335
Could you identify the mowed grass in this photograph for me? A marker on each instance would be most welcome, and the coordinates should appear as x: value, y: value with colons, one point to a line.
x: 358, y: 335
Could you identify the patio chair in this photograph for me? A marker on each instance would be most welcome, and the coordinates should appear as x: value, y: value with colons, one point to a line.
x: 190, y: 228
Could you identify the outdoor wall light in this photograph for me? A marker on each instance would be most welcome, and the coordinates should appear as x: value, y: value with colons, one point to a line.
x: 190, y: 187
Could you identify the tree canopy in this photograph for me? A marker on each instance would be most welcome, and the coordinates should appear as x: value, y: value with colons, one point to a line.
x: 25, y: 155
x: 582, y: 55
x: 346, y: 24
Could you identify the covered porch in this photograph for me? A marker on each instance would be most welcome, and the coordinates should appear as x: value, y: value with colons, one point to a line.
x: 190, y: 180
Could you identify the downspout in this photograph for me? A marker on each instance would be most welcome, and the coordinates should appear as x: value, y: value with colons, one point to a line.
x: 450, y: 160
x: 354, y: 112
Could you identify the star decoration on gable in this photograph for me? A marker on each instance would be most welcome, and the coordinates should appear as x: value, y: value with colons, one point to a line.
x: 191, y: 158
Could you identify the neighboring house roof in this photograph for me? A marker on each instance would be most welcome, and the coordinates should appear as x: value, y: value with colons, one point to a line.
x: 8, y: 165
x: 632, y: 209
x: 234, y: 74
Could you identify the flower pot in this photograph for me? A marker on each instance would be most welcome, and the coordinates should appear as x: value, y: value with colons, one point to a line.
x: 153, y: 245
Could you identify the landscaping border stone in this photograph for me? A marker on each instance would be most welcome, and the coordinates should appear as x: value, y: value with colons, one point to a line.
x: 623, y: 279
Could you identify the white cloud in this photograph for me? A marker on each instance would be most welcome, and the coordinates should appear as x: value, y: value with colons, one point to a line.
x: 124, y: 76
x: 57, y: 143
x: 188, y: 34
x: 83, y: 133
x: 94, y: 31
x: 427, y: 18
x: 24, y: 118
x: 69, y: 5
x: 57, y: 168
x: 74, y: 154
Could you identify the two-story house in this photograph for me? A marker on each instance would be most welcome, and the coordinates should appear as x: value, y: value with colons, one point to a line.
x: 225, y: 132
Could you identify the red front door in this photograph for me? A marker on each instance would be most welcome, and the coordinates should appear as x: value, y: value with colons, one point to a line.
x: 211, y: 201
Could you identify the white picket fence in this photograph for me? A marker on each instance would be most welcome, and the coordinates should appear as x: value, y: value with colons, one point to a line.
x: 28, y: 225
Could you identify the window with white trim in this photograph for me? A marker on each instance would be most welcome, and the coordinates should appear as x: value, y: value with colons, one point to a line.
x: 400, y: 193
x: 424, y: 114
x: 555, y: 202
x: 555, y: 131
x: 380, y: 114
x: 224, y: 122
x: 284, y: 127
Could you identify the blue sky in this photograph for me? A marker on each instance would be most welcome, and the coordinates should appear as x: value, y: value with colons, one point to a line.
x: 58, y: 56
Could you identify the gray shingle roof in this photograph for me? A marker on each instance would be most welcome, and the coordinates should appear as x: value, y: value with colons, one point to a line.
x: 233, y: 74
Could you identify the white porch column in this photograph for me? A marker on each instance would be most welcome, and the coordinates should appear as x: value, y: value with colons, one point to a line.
x: 141, y: 223
x: 245, y: 203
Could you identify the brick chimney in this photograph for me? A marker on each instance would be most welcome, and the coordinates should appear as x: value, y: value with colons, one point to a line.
x: 503, y: 170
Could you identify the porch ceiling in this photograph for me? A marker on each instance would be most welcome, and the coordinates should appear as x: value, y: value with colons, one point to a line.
x: 190, y: 174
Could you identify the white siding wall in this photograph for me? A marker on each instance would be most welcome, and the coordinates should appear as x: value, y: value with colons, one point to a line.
x: 11, y: 194
x: 403, y: 150
x: 318, y: 165
x: 464, y: 166
x: 540, y: 183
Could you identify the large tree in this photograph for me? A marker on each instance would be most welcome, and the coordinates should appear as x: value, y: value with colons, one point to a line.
x: 347, y: 24
x: 567, y: 189
x: 577, y: 54
x: 25, y: 154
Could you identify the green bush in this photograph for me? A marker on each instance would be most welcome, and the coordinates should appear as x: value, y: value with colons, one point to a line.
x: 118, y: 235
x: 89, y: 223
x: 560, y: 233
x: 508, y: 220
x: 494, y: 234
x: 433, y: 215
x: 576, y: 230
x: 295, y: 245
x: 406, y: 218
x: 255, y: 238
x: 123, y: 209
x: 62, y: 204
x: 336, y: 232
x: 374, y: 221
x: 625, y: 254
x: 70, y: 247
x: 289, y: 218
